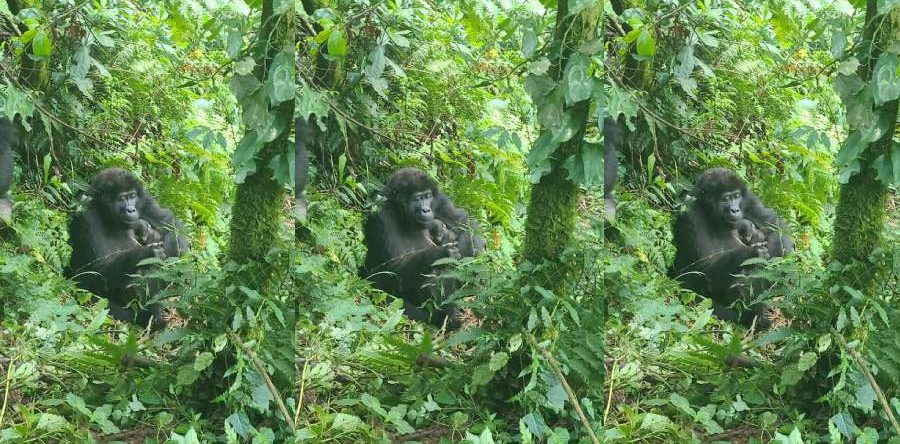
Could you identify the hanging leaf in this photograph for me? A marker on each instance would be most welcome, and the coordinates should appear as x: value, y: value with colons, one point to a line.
x: 576, y: 80
x: 646, y: 45
x: 337, y: 44
x: 40, y: 45
x: 885, y: 81
x: 282, y: 78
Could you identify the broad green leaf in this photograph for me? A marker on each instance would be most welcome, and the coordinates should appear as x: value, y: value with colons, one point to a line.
x: 529, y: 42
x: 245, y: 66
x: 847, y: 158
x: 887, y: 166
x: 49, y: 422
x: 498, y: 361
x: 261, y: 396
x: 807, y: 361
x: 886, y: 81
x: 282, y: 78
x: 234, y: 44
x: 838, y: 43
x: 337, y: 44
x: 40, y: 45
x: 539, y: 86
x: 375, y: 68
x: 847, y: 86
x: 848, y: 67
x: 655, y: 423
x: 646, y: 45
x: 576, y: 80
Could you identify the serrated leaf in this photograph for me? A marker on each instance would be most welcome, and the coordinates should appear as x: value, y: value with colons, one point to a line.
x: 498, y: 361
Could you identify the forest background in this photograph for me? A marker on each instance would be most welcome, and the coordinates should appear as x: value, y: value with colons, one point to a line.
x: 574, y: 332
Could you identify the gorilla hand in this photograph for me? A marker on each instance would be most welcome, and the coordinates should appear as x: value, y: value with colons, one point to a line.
x: 155, y: 249
x: 451, y: 250
x: 144, y: 232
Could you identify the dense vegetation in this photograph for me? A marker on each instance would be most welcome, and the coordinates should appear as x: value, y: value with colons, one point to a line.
x: 573, y: 331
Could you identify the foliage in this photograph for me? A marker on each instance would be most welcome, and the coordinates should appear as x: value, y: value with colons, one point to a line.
x: 461, y: 89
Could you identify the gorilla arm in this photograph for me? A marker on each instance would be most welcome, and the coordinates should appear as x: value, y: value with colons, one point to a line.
x: 463, y: 227
x: 396, y: 265
x: 700, y: 250
x: 779, y: 241
x: 95, y: 252
x: 166, y: 227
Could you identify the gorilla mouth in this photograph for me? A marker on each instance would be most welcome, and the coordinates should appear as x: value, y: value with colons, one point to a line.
x: 130, y: 217
x: 424, y: 218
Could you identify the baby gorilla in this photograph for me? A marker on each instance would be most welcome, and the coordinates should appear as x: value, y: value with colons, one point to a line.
x: 724, y: 227
x: 121, y: 226
x: 417, y: 226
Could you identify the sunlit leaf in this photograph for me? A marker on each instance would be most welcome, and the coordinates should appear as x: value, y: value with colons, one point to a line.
x: 885, y: 81
x: 337, y: 44
x: 646, y: 44
x: 41, y: 45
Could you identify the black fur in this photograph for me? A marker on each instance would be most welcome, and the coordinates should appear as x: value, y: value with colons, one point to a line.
x: 7, y: 141
x: 106, y: 250
x: 710, y: 249
x: 401, y: 250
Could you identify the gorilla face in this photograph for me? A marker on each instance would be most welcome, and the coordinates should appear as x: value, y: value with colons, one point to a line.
x: 418, y: 207
x: 124, y: 207
x: 729, y: 207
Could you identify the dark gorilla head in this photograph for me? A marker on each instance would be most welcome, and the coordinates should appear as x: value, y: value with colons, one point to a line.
x: 411, y: 193
x: 119, y: 196
x: 722, y: 193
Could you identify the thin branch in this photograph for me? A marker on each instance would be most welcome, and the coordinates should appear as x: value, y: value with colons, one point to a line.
x: 261, y: 369
x: 554, y: 367
x: 9, y: 370
x: 864, y: 368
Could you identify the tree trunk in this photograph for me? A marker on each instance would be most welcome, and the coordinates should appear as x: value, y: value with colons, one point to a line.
x: 550, y: 221
x: 860, y: 215
x: 257, y: 215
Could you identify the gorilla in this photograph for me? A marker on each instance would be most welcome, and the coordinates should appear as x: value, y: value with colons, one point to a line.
x: 7, y: 140
x: 725, y: 226
x: 303, y: 138
x: 612, y: 138
x: 417, y: 226
x: 121, y: 226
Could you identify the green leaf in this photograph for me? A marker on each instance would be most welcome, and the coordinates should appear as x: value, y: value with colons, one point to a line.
x: 848, y: 67
x: 40, y: 45
x: 887, y: 166
x: 646, y: 45
x: 838, y: 43
x: 498, y: 361
x: 807, y: 361
x: 847, y: 159
x: 261, y: 396
x: 347, y: 423
x: 576, y: 80
x: 337, y: 44
x: 282, y: 78
x: 234, y: 43
x: 529, y: 42
x: 886, y: 81
x: 375, y: 68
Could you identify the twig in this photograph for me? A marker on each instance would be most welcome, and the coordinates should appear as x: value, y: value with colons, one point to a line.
x: 612, y: 379
x: 302, y: 391
x: 864, y: 368
x: 261, y: 369
x: 9, y: 369
x: 554, y: 366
